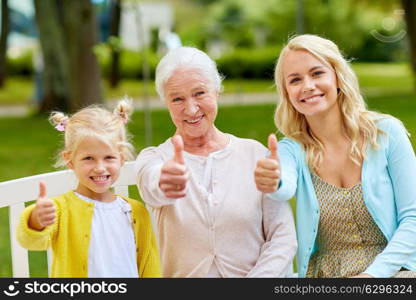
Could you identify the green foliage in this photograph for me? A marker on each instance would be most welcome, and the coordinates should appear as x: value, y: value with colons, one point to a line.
x: 21, y: 65
x: 131, y: 63
x: 373, y: 50
x: 17, y: 91
x: 249, y: 63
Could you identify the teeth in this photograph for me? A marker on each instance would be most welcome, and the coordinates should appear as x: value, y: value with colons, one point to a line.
x: 194, y: 121
x: 312, y: 98
x: 99, y: 178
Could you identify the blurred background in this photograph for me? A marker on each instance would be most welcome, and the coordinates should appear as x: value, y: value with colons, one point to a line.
x: 66, y: 54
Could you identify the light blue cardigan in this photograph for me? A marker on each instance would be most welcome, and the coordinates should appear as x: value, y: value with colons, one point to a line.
x: 389, y: 189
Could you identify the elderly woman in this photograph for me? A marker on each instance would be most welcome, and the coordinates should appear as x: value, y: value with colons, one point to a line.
x: 210, y: 218
x: 353, y: 171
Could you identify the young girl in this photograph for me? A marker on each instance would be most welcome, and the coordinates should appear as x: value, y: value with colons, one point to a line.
x: 93, y: 232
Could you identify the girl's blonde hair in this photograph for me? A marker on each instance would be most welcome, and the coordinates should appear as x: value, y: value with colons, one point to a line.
x: 98, y: 122
x: 358, y: 122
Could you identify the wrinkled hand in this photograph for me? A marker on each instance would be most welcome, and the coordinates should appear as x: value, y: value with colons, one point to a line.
x: 267, y: 173
x: 174, y: 175
x: 44, y: 213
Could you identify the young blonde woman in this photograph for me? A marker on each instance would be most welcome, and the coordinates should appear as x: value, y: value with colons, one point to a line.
x: 92, y: 231
x: 353, y: 171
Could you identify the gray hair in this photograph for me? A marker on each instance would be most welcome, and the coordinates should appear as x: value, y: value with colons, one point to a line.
x: 190, y: 58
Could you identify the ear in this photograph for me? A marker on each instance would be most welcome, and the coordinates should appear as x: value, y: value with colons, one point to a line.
x: 66, y: 155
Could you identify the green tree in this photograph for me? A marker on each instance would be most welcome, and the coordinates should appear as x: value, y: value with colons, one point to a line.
x: 410, y: 16
x: 68, y: 33
x: 3, y: 40
x: 114, y: 43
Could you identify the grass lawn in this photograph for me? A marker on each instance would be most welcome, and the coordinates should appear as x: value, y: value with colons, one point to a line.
x: 375, y: 79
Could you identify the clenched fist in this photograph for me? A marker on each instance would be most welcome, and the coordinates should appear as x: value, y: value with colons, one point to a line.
x: 267, y: 173
x: 44, y: 213
x: 174, y: 175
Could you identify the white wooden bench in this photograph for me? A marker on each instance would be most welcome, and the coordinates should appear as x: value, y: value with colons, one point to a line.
x: 15, y: 193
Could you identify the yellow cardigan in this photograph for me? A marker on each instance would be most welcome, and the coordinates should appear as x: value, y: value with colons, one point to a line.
x: 70, y: 237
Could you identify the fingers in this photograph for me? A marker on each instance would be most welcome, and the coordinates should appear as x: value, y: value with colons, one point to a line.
x: 45, y: 208
x: 173, y: 168
x: 173, y: 179
x: 272, y: 145
x: 273, y: 175
x: 267, y: 164
x: 174, y: 174
x: 264, y: 188
x: 45, y: 212
x: 175, y: 194
x: 173, y: 186
x: 267, y: 173
x: 178, y: 148
x: 42, y: 190
x: 47, y: 219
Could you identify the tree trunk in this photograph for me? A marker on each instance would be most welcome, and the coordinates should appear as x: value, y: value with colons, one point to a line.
x: 409, y: 7
x: 81, y: 32
x: 114, y: 76
x: 3, y: 40
x: 55, y: 79
x: 68, y: 33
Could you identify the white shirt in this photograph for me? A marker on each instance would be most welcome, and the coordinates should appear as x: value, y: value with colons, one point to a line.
x: 112, y: 248
x: 223, y: 223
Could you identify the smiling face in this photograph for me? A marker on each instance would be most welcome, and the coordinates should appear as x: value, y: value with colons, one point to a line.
x: 310, y: 84
x: 192, y: 103
x: 97, y: 166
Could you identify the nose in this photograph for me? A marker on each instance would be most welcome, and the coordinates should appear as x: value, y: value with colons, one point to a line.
x: 99, y: 167
x: 191, y: 106
x: 308, y: 84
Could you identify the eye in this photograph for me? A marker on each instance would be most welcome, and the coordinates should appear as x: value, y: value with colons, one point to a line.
x: 87, y: 158
x: 294, y: 80
x: 317, y: 73
x: 177, y: 99
x: 199, y: 93
x: 110, y: 157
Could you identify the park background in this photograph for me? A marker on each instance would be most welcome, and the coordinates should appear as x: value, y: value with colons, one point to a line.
x: 66, y: 54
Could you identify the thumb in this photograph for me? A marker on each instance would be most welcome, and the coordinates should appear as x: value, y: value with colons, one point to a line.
x: 178, y: 147
x: 42, y: 190
x: 272, y: 145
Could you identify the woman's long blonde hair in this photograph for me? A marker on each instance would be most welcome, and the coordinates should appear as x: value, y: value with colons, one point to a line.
x: 358, y: 122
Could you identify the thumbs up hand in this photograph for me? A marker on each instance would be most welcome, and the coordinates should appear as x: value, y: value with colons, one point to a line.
x: 267, y: 173
x: 174, y: 174
x: 44, y: 213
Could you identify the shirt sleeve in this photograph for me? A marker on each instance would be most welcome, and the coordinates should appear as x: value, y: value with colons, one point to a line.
x: 279, y: 248
x: 148, y: 167
x: 289, y: 174
x: 402, y: 170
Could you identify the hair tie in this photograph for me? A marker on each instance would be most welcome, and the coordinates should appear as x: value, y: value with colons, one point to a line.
x: 62, y: 125
x: 123, y: 116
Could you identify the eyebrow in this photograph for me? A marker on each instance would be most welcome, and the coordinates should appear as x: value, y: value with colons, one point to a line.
x: 193, y: 89
x: 310, y: 70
